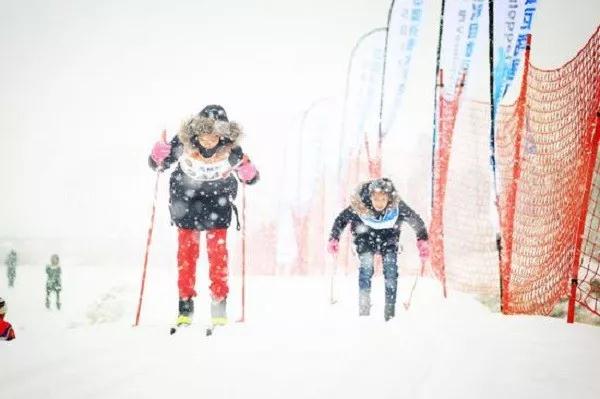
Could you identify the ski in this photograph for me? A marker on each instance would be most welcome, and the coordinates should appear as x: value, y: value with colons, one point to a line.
x: 176, y: 327
x: 211, y: 329
x: 207, y: 332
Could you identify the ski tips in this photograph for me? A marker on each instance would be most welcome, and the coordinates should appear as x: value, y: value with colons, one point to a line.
x: 163, y: 135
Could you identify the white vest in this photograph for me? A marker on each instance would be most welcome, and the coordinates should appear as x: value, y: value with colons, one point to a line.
x: 387, y: 221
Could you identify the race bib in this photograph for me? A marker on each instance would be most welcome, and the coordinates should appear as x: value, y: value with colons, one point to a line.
x: 201, y: 171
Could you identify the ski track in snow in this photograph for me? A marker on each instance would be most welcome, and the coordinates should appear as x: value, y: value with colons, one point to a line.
x: 294, y: 344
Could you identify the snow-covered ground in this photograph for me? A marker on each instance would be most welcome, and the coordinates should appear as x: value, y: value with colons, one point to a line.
x: 293, y: 344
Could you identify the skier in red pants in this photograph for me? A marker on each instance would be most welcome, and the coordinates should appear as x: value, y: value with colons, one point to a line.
x: 6, y: 331
x: 202, y: 191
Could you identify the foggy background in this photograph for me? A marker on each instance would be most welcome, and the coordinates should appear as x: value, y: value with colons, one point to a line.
x: 86, y: 87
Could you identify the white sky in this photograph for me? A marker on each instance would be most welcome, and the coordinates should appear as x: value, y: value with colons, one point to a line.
x: 86, y: 87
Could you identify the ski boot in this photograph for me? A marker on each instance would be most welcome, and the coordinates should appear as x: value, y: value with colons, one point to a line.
x: 47, y: 303
x: 186, y: 311
x: 364, y: 303
x: 218, y: 312
x: 389, y: 311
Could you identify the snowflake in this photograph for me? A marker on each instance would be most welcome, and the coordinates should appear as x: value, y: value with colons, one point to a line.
x: 179, y: 209
x: 362, y: 229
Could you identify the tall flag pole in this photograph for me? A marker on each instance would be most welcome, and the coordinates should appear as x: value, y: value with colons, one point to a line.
x: 435, y: 96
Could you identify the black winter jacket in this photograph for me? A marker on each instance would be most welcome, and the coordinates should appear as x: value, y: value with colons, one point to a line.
x: 377, y: 231
x: 202, y: 189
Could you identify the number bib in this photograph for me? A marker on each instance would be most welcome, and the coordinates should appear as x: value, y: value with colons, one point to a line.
x: 201, y: 171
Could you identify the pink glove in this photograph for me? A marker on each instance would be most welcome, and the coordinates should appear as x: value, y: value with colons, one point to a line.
x: 333, y: 246
x: 246, y: 171
x: 160, y: 151
x: 423, y: 247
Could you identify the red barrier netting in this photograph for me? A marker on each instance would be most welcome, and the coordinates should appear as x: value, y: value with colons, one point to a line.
x: 471, y: 256
x: 543, y: 157
x: 448, y: 109
x: 312, y: 227
x: 311, y: 235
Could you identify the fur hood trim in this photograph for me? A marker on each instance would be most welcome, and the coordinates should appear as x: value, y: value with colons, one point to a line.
x: 361, y: 200
x: 199, y: 125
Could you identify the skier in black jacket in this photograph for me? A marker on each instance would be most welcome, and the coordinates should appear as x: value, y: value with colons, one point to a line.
x: 375, y: 215
x: 202, y: 191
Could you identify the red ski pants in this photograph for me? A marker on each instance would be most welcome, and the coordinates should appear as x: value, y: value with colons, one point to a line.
x: 187, y: 255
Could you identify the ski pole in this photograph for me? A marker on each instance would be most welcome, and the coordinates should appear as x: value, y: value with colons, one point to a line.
x: 242, y: 318
x: 332, y: 299
x: 407, y: 303
x: 148, y: 241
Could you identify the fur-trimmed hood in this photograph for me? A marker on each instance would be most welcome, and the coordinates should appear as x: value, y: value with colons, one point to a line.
x: 199, y: 125
x: 361, y: 200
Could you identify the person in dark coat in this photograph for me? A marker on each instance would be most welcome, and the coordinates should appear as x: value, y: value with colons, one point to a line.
x: 53, y: 280
x: 11, y: 267
x: 376, y: 215
x: 203, y: 188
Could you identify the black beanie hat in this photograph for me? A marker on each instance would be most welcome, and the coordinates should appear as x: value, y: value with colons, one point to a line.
x: 382, y: 185
x: 215, y: 112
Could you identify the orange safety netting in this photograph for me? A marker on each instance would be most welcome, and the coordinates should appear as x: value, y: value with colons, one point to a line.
x: 544, y: 143
x: 311, y: 235
x: 548, y: 191
x: 448, y: 108
x: 470, y: 251
x: 313, y: 225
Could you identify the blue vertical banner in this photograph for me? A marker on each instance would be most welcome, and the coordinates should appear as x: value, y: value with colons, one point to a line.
x: 512, y: 24
x: 461, y: 31
x: 404, y: 21
x: 363, y: 90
